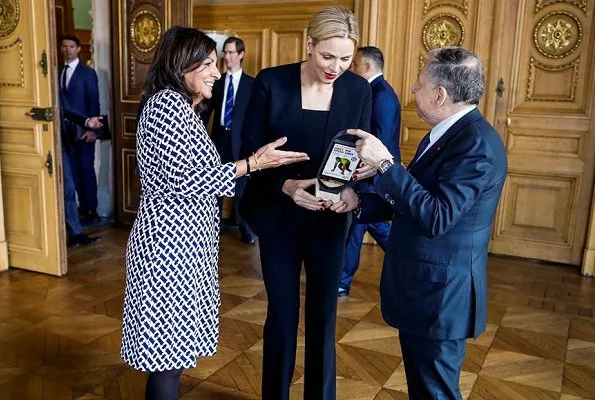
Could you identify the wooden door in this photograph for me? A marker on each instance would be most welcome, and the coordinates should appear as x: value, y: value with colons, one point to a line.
x: 545, y: 116
x: 32, y: 195
x: 137, y: 27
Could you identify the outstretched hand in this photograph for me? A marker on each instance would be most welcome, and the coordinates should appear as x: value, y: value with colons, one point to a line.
x: 268, y: 156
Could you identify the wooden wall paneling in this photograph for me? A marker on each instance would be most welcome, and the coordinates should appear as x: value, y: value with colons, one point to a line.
x: 84, y: 36
x: 546, y: 120
x: 274, y: 33
x: 137, y: 28
x: 64, y: 21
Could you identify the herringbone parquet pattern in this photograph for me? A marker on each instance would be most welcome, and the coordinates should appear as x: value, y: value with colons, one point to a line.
x: 60, y: 337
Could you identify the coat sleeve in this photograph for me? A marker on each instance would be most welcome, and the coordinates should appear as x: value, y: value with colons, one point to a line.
x: 169, y: 119
x: 256, y: 132
x: 462, y: 180
x: 92, y: 93
x: 386, y: 113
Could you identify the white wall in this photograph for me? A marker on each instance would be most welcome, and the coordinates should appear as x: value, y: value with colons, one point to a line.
x: 101, y: 42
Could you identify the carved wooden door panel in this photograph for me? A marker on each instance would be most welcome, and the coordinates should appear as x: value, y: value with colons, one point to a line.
x: 545, y: 114
x: 30, y: 152
x: 406, y: 31
x: 137, y: 28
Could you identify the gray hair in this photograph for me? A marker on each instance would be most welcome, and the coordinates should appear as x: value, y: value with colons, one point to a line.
x: 459, y: 71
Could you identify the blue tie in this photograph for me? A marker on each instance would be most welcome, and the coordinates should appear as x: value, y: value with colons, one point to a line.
x: 422, y: 146
x: 228, y: 104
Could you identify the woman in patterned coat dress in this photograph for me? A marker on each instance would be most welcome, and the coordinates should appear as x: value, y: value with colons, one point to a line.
x: 171, y: 309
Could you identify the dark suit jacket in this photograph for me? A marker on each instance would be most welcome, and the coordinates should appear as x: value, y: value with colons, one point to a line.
x: 434, y: 277
x: 83, y: 93
x: 385, y: 123
x: 68, y: 117
x: 386, y: 115
x: 239, y: 111
x: 275, y: 110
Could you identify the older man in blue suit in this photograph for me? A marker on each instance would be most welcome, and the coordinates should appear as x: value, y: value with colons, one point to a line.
x: 385, y: 124
x: 433, y: 286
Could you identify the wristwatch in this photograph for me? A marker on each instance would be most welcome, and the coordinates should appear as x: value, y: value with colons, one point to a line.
x: 385, y: 165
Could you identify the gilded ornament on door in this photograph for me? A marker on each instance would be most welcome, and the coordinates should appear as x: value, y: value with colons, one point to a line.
x: 145, y: 31
x: 557, y: 34
x: 10, y: 13
x: 443, y: 30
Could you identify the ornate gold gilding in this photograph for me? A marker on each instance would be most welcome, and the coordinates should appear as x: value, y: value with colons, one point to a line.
x: 443, y: 30
x: 462, y: 6
x: 536, y: 65
x: 540, y: 4
x: 10, y: 14
x: 557, y: 34
x: 145, y: 31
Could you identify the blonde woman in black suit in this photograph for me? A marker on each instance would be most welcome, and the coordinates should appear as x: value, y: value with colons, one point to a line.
x: 309, y: 102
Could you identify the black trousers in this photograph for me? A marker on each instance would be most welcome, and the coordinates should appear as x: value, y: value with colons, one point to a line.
x: 316, y: 239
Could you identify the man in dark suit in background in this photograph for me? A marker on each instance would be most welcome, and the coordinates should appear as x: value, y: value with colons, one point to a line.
x: 68, y: 119
x: 385, y: 125
x: 231, y: 95
x: 433, y: 286
x: 78, y: 84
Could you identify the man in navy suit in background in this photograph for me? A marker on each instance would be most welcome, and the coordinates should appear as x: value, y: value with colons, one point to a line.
x: 385, y: 125
x: 78, y: 85
x: 231, y: 95
x: 433, y: 286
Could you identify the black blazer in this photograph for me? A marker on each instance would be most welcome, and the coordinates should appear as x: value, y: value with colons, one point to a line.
x: 275, y: 110
x: 239, y: 111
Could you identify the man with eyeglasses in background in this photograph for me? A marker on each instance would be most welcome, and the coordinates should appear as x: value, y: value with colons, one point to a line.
x: 231, y: 95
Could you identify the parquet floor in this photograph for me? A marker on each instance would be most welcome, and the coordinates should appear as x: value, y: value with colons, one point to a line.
x: 60, y: 337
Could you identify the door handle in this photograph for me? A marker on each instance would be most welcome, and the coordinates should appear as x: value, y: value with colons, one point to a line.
x: 500, y: 88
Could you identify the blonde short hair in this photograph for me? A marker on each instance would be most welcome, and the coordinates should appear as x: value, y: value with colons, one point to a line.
x: 335, y: 21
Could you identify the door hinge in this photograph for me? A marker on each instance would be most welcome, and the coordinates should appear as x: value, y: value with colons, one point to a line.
x: 43, y: 63
x: 49, y: 163
x: 41, y: 114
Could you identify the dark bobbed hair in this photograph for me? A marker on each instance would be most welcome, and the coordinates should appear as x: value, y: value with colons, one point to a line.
x: 69, y: 36
x: 180, y: 50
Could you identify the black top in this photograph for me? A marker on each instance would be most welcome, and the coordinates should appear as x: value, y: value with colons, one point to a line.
x: 312, y: 141
x: 274, y: 111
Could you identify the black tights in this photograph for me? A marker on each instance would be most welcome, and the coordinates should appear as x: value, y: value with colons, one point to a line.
x: 163, y: 385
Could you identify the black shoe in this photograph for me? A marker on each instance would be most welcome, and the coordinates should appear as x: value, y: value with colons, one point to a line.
x: 342, y: 292
x: 81, y: 239
x: 90, y: 218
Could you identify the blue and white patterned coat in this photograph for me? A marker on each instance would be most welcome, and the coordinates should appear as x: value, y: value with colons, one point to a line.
x: 171, y: 308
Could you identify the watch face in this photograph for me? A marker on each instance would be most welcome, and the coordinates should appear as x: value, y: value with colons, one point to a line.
x: 384, y: 165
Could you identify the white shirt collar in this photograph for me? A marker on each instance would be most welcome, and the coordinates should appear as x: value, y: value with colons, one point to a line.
x: 371, y: 79
x: 441, y: 127
x: 73, y: 64
x: 236, y: 75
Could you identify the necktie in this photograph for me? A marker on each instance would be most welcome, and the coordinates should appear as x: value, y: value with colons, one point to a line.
x: 229, y: 104
x: 422, y: 146
x: 64, y: 88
